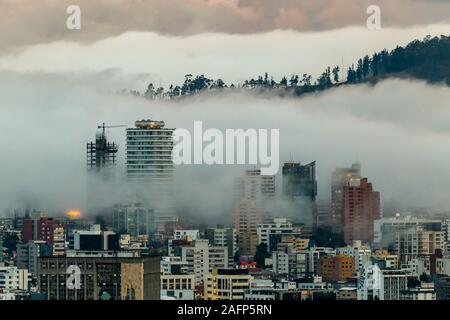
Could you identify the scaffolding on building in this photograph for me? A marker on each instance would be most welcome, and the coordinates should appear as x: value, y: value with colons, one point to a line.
x: 101, y: 153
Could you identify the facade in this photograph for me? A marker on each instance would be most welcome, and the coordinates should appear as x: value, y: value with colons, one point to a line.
x: 178, y: 286
x: 442, y: 287
x: 134, y: 219
x: 45, y: 229
x: 322, y: 214
x: 346, y: 293
x: 443, y: 265
x: 271, y: 233
x: 173, y: 265
x: 336, y: 268
x: 361, y: 207
x: 291, y: 243
x: 28, y: 253
x: 361, y: 254
x: 150, y: 169
x: 394, y: 282
x: 424, y: 292
x: 227, y: 284
x: 339, y: 179
x: 385, y: 228
x: 13, y: 278
x: 201, y: 258
x: 385, y: 260
x: 223, y: 237
x: 101, y: 278
x: 313, y: 256
x: 377, y: 284
x: 93, y: 240
x: 300, y: 180
x: 414, y: 242
x: 186, y: 234
x: 252, y: 207
x: 300, y: 187
x: 260, y: 289
x: 280, y: 262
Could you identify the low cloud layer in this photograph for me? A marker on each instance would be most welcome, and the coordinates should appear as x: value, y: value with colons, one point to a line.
x: 27, y: 22
x: 398, y: 130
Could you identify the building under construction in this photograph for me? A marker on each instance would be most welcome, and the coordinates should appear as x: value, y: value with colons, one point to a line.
x: 101, y: 153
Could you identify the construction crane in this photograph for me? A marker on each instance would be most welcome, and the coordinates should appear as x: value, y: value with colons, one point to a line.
x: 102, y: 153
x: 104, y: 126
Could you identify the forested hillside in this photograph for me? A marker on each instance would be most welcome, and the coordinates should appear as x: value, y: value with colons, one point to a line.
x: 428, y: 59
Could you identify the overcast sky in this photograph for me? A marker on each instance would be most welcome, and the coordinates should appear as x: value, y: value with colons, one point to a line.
x: 26, y: 22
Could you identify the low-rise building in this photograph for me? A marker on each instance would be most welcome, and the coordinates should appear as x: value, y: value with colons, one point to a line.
x: 227, y: 284
x: 336, y: 268
x: 13, y: 278
x: 100, y: 277
x: 178, y: 286
x: 423, y: 292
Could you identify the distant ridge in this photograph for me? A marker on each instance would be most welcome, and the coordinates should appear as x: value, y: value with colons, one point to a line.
x: 428, y: 59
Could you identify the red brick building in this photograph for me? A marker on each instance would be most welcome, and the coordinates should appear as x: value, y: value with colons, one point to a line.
x: 40, y: 229
x: 361, y: 206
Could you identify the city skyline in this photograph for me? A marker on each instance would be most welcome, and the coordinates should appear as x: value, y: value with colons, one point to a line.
x: 225, y: 157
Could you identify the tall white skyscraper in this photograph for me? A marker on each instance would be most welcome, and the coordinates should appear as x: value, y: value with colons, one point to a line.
x: 254, y: 193
x: 150, y: 169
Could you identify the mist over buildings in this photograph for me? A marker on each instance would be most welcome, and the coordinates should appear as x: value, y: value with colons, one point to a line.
x: 398, y: 130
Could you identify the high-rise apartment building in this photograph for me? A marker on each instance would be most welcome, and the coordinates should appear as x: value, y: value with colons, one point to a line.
x: 339, y: 179
x: 300, y: 187
x: 361, y: 207
x: 150, y: 169
x: 252, y: 207
x: 299, y: 181
x: 133, y: 219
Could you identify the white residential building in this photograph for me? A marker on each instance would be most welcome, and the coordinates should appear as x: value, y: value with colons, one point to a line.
x: 270, y: 233
x: 28, y: 253
x: 13, y: 278
x: 384, y: 228
x: 377, y: 284
x: 150, y: 168
x: 201, y: 258
x: 178, y: 286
